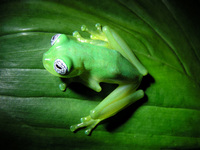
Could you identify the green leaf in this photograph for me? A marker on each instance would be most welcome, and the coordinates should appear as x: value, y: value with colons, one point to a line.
x: 164, y: 35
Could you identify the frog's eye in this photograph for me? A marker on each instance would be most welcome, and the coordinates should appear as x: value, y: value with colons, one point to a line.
x: 60, y: 67
x: 54, y: 38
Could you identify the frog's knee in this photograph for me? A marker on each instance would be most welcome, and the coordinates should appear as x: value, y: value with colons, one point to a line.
x: 106, y: 29
x: 94, y: 114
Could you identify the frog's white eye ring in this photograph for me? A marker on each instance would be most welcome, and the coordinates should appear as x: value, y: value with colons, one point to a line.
x: 60, y: 67
x: 54, y: 38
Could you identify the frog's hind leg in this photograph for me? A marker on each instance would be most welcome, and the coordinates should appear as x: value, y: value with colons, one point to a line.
x: 86, y: 122
x: 117, y: 43
x: 122, y: 97
x: 96, y: 37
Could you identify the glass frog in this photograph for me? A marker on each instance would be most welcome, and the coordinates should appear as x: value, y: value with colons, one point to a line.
x: 104, y: 57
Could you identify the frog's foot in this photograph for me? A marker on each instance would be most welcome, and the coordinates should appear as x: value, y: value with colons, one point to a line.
x: 62, y: 86
x: 87, y: 122
x: 96, y: 37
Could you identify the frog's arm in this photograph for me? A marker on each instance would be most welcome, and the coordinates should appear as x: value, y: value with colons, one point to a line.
x: 117, y: 43
x: 121, y: 97
x: 87, y: 80
x: 90, y: 82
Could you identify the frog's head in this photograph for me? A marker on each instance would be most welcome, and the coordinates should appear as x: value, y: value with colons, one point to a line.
x: 53, y: 60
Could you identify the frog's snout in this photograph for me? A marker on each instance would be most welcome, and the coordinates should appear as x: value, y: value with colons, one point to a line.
x: 45, y: 60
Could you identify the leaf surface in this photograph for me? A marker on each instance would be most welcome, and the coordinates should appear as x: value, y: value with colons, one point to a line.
x: 164, y: 35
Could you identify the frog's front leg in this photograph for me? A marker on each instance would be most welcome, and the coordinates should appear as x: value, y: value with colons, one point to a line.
x: 121, y: 97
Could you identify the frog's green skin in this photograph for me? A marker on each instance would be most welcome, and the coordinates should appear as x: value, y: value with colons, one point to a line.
x: 104, y: 57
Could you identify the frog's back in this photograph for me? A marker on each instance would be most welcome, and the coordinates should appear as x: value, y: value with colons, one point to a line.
x: 106, y: 64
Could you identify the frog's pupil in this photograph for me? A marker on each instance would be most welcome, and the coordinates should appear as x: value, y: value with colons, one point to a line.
x: 58, y: 66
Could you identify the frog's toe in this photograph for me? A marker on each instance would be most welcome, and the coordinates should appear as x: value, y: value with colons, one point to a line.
x: 84, y: 119
x: 98, y: 26
x: 84, y: 28
x: 73, y: 128
x: 76, y: 34
x: 90, y: 128
x: 88, y: 131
